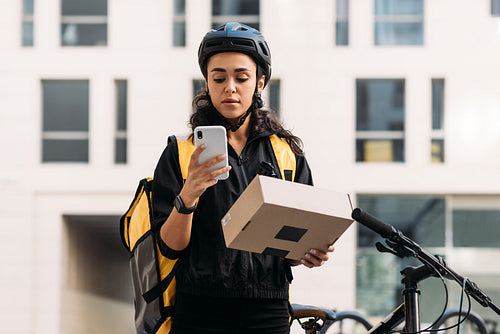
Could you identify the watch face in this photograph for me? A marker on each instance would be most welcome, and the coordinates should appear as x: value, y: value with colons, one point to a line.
x: 179, y: 205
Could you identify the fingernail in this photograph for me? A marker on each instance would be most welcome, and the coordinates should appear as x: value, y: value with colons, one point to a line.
x: 203, y: 146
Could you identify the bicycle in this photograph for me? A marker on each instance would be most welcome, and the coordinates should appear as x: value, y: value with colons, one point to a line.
x: 432, y: 265
x: 325, y: 321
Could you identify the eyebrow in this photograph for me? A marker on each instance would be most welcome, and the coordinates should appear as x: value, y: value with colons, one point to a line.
x: 241, y: 69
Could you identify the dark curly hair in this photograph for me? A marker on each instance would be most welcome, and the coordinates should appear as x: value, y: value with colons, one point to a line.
x: 261, y: 119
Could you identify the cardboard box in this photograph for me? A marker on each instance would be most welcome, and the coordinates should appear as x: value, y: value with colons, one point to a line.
x: 286, y: 219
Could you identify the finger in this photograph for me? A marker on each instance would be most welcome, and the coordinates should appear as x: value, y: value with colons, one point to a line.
x: 306, y: 263
x: 219, y: 171
x: 319, y: 254
x: 196, y: 154
x: 313, y: 260
x: 214, y: 161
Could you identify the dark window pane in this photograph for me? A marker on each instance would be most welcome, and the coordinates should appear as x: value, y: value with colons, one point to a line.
x: 342, y: 8
x: 87, y: 7
x: 274, y: 96
x: 28, y: 7
x: 84, y: 34
x: 65, y: 105
x: 399, y: 7
x: 342, y: 33
x: 380, y: 104
x: 121, y: 101
x: 179, y: 33
x: 380, y: 150
x: 180, y: 7
x: 476, y: 228
x: 495, y: 7
x: 420, y: 218
x: 68, y: 150
x: 235, y: 7
x: 437, y: 150
x: 27, y: 33
x: 437, y: 103
x: 400, y: 33
x: 198, y: 87
x: 120, y: 151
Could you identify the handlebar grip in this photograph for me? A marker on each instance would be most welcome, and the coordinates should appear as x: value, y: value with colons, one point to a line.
x: 372, y: 223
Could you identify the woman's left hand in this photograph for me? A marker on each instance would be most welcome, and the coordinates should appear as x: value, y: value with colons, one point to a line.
x: 314, y: 258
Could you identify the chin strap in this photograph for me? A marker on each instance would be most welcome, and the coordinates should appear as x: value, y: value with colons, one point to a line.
x: 235, y: 127
x: 256, y: 104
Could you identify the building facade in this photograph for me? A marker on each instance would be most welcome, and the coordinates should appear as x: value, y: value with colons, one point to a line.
x: 397, y: 102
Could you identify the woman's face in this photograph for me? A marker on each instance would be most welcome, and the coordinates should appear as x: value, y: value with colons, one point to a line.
x: 231, y: 80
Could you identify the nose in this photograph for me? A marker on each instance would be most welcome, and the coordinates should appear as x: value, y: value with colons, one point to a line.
x: 231, y: 87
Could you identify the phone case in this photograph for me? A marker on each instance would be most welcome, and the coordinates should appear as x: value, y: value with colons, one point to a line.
x: 216, y: 140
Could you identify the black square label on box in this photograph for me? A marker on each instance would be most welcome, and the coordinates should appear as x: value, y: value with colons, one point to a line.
x: 291, y: 233
x: 275, y: 252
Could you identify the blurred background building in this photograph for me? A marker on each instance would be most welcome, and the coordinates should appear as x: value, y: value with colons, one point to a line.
x: 397, y: 101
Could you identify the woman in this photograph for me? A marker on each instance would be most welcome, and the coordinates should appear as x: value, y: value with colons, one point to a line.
x: 221, y: 290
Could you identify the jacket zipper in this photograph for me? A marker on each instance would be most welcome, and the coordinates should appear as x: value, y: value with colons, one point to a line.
x: 242, y: 168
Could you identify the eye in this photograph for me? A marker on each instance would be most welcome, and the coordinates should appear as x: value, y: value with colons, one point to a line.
x: 241, y: 79
x: 218, y: 80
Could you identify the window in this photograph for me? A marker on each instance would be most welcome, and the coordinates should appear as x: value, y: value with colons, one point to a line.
x: 437, y: 141
x: 495, y: 7
x: 476, y: 228
x: 179, y: 28
x: 65, y: 121
x: 399, y: 22
x: 121, y: 122
x: 198, y: 86
x: 271, y: 96
x: 342, y: 22
x: 442, y: 225
x: 84, y: 23
x: 28, y: 25
x: 242, y: 11
x: 380, y: 120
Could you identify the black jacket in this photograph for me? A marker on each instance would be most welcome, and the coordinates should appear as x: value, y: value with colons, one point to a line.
x: 207, y: 267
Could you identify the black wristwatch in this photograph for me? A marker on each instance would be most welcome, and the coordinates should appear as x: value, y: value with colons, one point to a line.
x: 181, y: 208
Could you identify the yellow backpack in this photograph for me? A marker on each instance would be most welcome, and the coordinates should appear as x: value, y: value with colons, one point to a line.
x: 153, y: 275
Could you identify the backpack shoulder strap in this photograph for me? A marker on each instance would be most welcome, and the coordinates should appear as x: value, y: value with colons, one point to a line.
x: 284, y: 156
x: 185, y: 146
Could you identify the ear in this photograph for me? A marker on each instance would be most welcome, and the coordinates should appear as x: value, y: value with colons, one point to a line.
x: 260, y: 84
x: 206, y: 85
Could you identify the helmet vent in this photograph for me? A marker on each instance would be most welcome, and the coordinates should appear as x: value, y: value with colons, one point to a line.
x: 263, y: 49
x: 242, y: 42
x: 211, y: 44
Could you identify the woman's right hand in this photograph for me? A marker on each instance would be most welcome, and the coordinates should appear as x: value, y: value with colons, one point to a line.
x: 198, y: 178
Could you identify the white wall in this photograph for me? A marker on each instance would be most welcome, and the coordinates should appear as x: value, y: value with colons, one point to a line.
x: 462, y: 45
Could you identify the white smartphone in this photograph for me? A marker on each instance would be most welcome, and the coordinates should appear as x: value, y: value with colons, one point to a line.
x: 214, y: 136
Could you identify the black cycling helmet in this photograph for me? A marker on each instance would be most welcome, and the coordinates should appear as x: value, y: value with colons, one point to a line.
x: 236, y: 37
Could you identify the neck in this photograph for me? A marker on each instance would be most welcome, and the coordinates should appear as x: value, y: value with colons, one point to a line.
x: 238, y: 139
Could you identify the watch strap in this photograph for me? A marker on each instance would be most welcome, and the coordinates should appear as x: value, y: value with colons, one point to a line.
x: 181, y: 208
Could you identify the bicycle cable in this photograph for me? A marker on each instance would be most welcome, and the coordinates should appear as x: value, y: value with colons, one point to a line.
x: 460, y: 321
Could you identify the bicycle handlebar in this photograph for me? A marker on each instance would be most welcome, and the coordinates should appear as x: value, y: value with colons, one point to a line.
x: 403, y: 246
x: 373, y: 223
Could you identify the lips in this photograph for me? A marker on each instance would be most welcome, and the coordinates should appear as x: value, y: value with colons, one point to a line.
x: 229, y: 100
